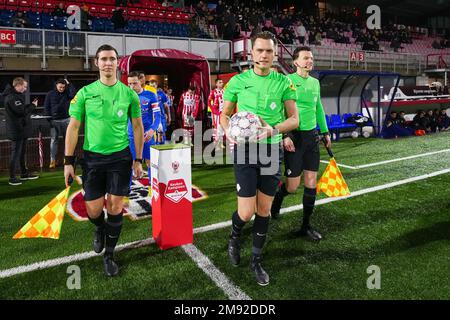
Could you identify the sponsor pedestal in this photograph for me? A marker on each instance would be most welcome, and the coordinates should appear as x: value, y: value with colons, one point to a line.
x: 171, y: 195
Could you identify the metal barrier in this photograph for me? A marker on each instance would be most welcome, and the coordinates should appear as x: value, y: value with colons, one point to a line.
x: 33, y: 159
x: 47, y: 43
x: 341, y: 58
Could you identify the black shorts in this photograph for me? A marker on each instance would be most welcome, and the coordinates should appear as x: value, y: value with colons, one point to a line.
x: 306, y: 155
x: 257, y: 167
x: 106, y: 174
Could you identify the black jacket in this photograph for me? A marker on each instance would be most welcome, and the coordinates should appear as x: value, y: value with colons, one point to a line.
x: 56, y: 104
x: 18, y: 114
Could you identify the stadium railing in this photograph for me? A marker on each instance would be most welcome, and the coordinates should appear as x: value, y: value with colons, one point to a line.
x: 44, y: 43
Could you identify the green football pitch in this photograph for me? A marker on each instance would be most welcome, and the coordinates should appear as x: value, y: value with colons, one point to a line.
x: 397, y: 221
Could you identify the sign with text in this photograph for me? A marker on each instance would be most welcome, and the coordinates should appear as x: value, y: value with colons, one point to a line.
x: 8, y: 36
x: 171, y: 195
x: 357, y: 56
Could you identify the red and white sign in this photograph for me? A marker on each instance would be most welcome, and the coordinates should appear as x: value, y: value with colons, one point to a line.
x: 176, y: 190
x: 8, y: 36
x: 357, y: 56
x: 172, y: 196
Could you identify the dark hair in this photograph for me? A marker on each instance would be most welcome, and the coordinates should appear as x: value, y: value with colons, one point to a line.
x: 134, y: 74
x: 105, y: 47
x: 192, y: 87
x: 60, y: 81
x: 217, y: 80
x: 297, y: 51
x: 266, y: 35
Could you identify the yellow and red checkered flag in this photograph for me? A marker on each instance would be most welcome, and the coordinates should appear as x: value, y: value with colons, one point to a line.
x: 47, y: 222
x: 332, y: 182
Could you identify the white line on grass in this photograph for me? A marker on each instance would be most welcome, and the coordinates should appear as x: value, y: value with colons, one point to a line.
x: 231, y: 290
x: 141, y: 243
x: 388, y: 161
x: 340, y: 165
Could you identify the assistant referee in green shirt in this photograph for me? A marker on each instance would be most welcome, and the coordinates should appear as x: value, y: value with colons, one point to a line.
x: 302, y: 144
x: 105, y: 107
x: 271, y: 96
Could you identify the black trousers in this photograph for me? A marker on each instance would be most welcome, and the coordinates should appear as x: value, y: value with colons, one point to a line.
x: 18, y: 151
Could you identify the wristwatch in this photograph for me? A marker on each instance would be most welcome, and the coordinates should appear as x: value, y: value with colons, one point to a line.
x: 139, y: 160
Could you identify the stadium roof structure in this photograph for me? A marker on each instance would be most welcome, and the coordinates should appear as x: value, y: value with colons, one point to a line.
x: 181, y: 67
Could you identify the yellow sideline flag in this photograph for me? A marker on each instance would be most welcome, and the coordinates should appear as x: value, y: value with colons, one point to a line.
x: 332, y: 182
x: 47, y: 222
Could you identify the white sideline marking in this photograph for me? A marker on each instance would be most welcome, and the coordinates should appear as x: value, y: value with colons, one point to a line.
x: 231, y: 290
x: 389, y: 161
x: 369, y: 190
x: 340, y: 165
x: 141, y: 243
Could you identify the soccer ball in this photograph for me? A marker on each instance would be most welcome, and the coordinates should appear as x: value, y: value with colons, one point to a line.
x: 355, y: 134
x: 366, y: 134
x: 244, y: 127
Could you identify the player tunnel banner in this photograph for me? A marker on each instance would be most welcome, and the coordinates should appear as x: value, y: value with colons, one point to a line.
x: 171, y: 195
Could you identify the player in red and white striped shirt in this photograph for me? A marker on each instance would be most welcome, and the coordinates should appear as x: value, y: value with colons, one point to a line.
x: 189, y: 107
x: 215, y: 102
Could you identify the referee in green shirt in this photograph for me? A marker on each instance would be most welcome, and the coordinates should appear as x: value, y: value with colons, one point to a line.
x: 104, y: 107
x: 302, y: 144
x: 271, y: 96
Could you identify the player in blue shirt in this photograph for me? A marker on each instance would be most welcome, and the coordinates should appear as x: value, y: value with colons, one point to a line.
x: 151, y: 117
x: 165, y: 112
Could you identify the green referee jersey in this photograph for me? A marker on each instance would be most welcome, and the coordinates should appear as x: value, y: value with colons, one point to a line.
x: 309, y: 106
x: 105, y: 110
x: 261, y: 95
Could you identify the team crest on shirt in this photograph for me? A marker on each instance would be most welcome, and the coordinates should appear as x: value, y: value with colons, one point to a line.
x: 145, y: 101
x: 120, y: 113
x: 273, y: 105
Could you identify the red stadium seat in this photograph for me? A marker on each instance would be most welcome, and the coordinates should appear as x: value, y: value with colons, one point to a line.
x: 94, y: 11
x: 12, y: 4
x: 24, y: 3
x: 152, y: 14
x: 143, y: 14
x: 49, y: 6
x: 133, y: 13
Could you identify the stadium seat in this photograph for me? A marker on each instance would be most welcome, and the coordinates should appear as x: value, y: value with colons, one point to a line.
x: 11, y: 4
x: 25, y: 4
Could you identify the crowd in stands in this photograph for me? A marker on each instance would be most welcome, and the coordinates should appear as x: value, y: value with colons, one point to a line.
x: 424, y: 122
x: 231, y: 18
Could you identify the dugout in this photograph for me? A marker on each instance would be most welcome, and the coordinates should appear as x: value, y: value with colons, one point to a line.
x: 182, y: 69
x: 350, y: 92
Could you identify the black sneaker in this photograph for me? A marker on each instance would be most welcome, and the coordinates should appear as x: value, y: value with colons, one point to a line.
x: 28, y: 176
x: 262, y: 278
x: 99, y: 239
x: 310, y: 233
x: 234, y: 251
x: 111, y: 268
x: 276, y: 206
x: 14, y: 181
